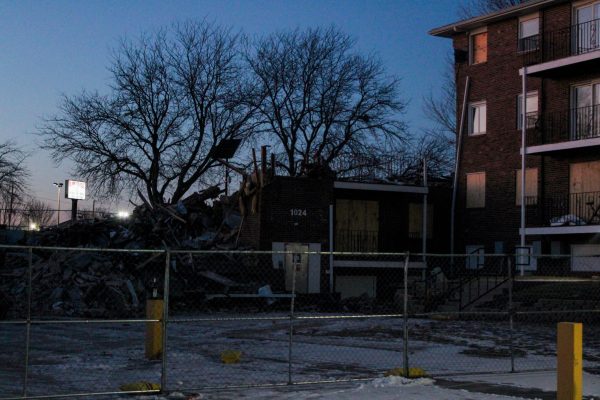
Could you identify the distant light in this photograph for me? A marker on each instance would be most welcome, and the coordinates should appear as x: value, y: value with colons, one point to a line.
x: 33, y: 226
x: 123, y: 214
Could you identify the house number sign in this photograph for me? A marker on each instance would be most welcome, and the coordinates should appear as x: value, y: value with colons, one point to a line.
x: 298, y: 212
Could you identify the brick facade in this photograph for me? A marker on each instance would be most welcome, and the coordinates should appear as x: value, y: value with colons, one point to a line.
x: 497, y: 152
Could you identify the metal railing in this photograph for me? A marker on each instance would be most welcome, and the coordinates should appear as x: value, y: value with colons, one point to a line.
x: 357, y: 240
x: 72, y: 320
x: 564, y: 126
x: 560, y: 43
x: 362, y: 167
x: 571, y: 209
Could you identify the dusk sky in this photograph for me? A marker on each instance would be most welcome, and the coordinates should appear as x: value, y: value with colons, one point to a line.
x: 53, y: 47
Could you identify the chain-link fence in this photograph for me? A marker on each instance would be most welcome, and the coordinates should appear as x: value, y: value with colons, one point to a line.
x: 77, y: 321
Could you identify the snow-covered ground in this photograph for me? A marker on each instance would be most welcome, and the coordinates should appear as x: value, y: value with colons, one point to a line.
x: 543, y: 380
x: 74, y: 358
x: 391, y: 388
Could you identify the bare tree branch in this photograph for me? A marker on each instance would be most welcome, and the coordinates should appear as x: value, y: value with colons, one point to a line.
x: 474, y: 8
x: 37, y: 212
x: 174, y: 95
x: 318, y: 100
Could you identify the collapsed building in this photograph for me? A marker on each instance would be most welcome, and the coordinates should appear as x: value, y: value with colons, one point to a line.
x: 295, y: 218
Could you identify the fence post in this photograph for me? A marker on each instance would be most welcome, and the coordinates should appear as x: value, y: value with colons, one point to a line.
x: 510, y: 314
x: 165, y: 318
x: 569, y: 354
x: 405, y: 315
x: 291, y: 331
x: 28, y: 328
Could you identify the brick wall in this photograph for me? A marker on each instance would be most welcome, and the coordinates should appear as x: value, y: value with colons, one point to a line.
x: 296, y: 210
x: 498, y: 151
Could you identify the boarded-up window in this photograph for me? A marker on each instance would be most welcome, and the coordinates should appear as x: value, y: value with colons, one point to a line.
x: 356, y: 225
x: 531, y: 186
x: 415, y: 221
x: 584, y: 191
x: 585, y: 177
x: 479, y: 48
x: 476, y: 190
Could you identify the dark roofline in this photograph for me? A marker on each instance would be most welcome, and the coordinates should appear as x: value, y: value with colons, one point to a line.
x: 482, y: 20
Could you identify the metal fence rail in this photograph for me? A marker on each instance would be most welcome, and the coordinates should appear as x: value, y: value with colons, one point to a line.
x: 73, y: 320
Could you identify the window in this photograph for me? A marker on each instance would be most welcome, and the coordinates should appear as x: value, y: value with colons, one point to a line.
x: 585, y: 31
x: 478, y: 47
x: 531, y: 104
x: 476, y: 190
x: 477, y: 118
x: 529, y: 33
x: 585, y: 111
x: 415, y: 221
x: 531, y: 186
x: 527, y: 256
x: 475, y: 256
x: 584, y: 192
x: 356, y: 225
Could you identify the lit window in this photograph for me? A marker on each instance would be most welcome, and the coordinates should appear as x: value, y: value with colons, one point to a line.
x: 478, y: 47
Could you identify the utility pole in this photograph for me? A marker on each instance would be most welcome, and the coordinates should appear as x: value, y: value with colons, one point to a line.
x: 10, y: 206
x: 58, y: 186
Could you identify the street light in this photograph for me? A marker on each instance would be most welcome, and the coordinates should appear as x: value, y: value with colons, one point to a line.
x: 58, y: 186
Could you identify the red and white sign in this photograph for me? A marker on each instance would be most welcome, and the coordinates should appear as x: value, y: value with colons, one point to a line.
x: 74, y: 190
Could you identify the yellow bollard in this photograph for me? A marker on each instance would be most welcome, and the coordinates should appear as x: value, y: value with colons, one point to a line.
x: 154, y: 310
x: 569, y: 352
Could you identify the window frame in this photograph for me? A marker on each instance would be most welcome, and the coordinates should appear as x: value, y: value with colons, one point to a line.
x: 470, y: 127
x: 416, y: 232
x: 472, y: 35
x: 519, y: 105
x: 518, y: 183
x: 520, y: 36
x: 476, y: 206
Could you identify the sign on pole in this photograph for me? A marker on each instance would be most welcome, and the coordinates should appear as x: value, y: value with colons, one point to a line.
x: 74, y: 190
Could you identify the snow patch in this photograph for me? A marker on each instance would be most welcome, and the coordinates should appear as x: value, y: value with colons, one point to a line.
x: 397, y: 381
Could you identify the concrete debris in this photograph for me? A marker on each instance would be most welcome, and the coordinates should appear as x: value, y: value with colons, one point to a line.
x: 113, y: 284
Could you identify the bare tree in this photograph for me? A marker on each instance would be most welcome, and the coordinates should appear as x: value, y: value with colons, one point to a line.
x: 318, y: 99
x: 37, y: 212
x: 473, y: 8
x: 174, y: 95
x: 13, y: 179
x: 440, y: 106
x: 438, y: 141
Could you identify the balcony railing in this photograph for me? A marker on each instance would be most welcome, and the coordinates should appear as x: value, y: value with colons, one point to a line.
x: 564, y: 126
x: 571, y: 209
x: 552, y: 45
x: 356, y: 240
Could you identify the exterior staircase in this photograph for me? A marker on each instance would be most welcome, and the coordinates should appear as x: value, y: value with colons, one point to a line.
x: 463, y: 287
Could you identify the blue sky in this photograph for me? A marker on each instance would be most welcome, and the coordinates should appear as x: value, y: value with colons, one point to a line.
x: 48, y: 48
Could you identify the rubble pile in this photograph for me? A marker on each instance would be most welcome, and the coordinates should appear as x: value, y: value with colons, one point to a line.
x: 82, y: 284
x: 116, y: 284
x: 189, y: 224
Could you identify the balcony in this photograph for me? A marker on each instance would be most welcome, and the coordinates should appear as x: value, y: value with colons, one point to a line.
x: 563, y: 130
x: 561, y: 48
x: 570, y: 213
x: 356, y: 241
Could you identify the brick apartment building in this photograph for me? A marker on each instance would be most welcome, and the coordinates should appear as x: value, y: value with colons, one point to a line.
x: 542, y: 56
